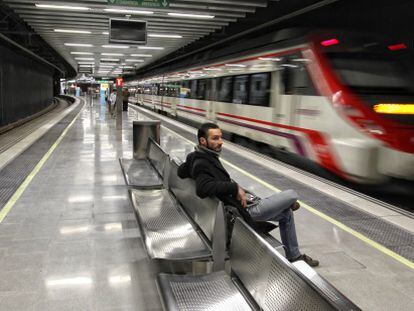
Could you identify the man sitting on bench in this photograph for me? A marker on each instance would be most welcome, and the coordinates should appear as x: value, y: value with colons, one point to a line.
x: 212, y: 179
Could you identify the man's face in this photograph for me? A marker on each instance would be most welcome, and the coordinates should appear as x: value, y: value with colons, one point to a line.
x: 214, y: 140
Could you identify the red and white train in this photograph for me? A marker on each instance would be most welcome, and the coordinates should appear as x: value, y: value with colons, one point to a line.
x: 345, y: 102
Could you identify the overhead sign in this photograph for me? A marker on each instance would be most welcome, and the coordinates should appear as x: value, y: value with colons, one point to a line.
x: 119, y: 82
x: 141, y: 3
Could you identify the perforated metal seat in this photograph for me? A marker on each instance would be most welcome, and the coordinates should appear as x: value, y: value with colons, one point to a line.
x: 146, y: 173
x: 140, y: 174
x: 263, y: 278
x: 214, y: 291
x: 167, y: 232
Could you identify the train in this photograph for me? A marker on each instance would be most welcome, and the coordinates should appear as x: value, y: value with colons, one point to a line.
x: 342, y: 100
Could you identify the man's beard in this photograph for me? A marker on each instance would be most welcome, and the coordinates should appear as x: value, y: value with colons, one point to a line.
x: 212, y: 149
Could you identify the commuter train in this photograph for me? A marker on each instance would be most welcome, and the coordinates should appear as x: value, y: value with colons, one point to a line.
x: 343, y: 101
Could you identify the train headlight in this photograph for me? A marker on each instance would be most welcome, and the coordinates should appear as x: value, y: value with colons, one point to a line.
x: 394, y: 108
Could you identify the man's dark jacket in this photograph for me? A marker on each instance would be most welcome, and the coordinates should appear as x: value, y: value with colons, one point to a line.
x: 212, y: 179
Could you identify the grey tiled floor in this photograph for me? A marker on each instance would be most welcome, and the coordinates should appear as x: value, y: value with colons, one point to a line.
x: 71, y: 241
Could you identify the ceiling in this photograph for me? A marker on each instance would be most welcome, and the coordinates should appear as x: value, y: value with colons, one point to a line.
x: 53, y: 19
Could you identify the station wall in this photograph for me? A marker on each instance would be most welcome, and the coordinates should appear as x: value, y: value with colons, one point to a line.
x: 26, y: 85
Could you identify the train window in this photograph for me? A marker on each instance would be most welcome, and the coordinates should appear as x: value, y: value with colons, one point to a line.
x: 201, y: 89
x: 259, y: 89
x: 225, y: 89
x: 211, y: 89
x: 193, y: 88
x: 296, y: 78
x: 185, y: 91
x: 241, y: 89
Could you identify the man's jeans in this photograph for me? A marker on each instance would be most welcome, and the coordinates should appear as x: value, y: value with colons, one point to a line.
x: 277, y: 208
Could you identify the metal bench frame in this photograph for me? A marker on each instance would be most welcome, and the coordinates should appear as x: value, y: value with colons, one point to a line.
x: 260, y: 279
x: 169, y: 224
x: 153, y: 165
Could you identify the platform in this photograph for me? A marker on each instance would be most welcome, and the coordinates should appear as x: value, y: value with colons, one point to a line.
x: 71, y: 242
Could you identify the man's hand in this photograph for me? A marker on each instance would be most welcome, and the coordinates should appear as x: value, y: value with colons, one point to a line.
x: 241, y: 196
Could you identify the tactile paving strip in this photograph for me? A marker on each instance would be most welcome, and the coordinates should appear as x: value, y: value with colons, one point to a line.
x: 391, y: 236
x: 14, y: 173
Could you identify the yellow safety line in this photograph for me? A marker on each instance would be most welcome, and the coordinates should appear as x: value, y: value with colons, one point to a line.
x: 356, y: 234
x: 9, y: 205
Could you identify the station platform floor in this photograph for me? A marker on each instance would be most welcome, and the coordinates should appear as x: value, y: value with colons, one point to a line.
x: 69, y: 239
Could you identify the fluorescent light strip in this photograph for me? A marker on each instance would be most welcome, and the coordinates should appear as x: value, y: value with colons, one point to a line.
x: 116, y: 46
x: 150, y: 48
x: 112, y: 54
x: 61, y: 7
x: 81, y: 53
x: 84, y: 58
x: 159, y: 35
x: 141, y: 55
x: 105, y: 33
x: 234, y: 65
x: 110, y: 59
x: 72, y: 31
x: 134, y: 60
x: 139, y: 12
x: 86, y: 63
x: 275, y: 59
x: 191, y: 15
x: 79, y: 44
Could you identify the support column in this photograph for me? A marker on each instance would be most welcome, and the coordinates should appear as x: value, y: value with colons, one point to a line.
x: 118, y: 107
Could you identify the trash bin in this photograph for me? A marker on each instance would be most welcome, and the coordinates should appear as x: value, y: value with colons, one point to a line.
x: 141, y: 131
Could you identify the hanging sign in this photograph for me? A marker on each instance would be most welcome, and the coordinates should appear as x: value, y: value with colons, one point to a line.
x: 141, y: 3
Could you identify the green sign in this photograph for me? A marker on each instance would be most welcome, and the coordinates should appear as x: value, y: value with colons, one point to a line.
x: 141, y: 3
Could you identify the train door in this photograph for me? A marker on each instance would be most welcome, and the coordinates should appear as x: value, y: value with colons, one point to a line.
x: 286, y: 101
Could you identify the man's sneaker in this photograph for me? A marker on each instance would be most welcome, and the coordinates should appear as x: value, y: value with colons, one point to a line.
x: 295, y: 206
x: 311, y: 262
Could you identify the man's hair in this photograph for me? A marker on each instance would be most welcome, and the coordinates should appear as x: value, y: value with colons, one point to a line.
x: 203, y: 130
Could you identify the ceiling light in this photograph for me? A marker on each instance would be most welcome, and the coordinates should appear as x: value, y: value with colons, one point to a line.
x: 190, y: 15
x: 141, y: 55
x: 134, y: 60
x: 72, y: 31
x: 129, y: 11
x: 105, y: 66
x: 112, y: 54
x: 79, y: 44
x: 86, y: 63
x: 159, y: 35
x: 110, y: 59
x: 150, y: 48
x: 116, y: 46
x: 235, y: 65
x: 61, y: 7
x: 212, y: 69
x: 84, y: 58
x: 105, y: 33
x: 275, y: 59
x: 81, y: 53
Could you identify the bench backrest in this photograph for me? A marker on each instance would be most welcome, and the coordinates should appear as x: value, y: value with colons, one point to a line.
x: 157, y: 157
x: 271, y: 280
x: 202, y: 211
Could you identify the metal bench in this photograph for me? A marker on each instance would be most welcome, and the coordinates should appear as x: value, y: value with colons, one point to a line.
x: 259, y: 279
x: 146, y: 173
x: 172, y: 230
